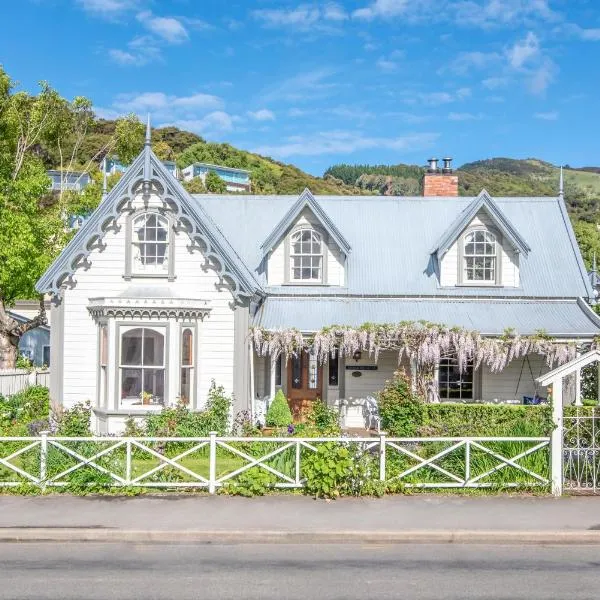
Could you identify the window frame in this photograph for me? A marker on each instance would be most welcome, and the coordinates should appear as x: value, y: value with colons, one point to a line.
x: 193, y: 367
x: 288, y: 280
x: 158, y: 327
x: 130, y: 270
x: 462, y: 280
x: 461, y: 398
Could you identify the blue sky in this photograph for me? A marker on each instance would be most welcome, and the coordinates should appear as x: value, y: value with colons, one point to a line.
x: 315, y: 83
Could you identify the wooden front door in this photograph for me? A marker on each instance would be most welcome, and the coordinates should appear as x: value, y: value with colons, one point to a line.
x: 304, y: 385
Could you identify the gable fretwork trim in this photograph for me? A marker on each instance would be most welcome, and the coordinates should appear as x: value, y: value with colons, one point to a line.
x: 182, y: 210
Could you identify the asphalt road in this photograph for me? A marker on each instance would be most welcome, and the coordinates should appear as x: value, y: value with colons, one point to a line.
x: 149, y: 572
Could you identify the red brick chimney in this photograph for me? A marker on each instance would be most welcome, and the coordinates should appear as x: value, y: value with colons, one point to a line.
x: 440, y: 182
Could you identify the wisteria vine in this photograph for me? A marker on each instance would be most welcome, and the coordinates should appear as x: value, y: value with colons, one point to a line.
x: 425, y: 343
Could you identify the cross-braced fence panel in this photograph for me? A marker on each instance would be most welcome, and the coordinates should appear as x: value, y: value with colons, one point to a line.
x: 214, y: 462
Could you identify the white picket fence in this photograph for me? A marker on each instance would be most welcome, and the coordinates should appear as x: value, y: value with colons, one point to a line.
x: 13, y: 381
x: 212, y: 462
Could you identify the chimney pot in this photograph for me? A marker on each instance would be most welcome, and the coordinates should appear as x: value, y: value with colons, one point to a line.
x: 433, y: 165
x: 447, y: 168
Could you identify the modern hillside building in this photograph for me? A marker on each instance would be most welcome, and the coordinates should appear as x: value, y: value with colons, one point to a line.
x: 236, y: 180
x: 68, y: 180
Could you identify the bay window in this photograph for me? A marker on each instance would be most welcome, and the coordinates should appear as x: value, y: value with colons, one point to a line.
x: 142, y: 367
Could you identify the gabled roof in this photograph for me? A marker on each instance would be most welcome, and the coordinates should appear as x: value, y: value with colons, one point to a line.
x: 306, y: 199
x: 482, y: 202
x: 147, y: 169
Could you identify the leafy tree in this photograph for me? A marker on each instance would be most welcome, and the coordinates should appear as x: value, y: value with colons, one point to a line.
x: 129, y: 134
x: 195, y: 186
x: 588, y: 238
x: 163, y: 151
x: 214, y: 183
x: 32, y: 228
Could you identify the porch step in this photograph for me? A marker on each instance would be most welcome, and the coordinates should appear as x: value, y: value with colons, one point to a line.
x: 359, y: 432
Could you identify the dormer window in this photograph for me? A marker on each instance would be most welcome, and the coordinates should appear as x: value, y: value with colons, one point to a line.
x: 480, y: 257
x: 306, y: 256
x: 150, y: 246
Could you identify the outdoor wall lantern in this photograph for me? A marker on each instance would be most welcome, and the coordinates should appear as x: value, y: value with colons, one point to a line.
x: 357, y: 355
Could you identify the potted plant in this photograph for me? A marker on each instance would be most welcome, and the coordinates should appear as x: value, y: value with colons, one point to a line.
x: 146, y: 397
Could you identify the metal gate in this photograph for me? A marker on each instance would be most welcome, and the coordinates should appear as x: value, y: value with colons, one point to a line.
x: 581, y: 450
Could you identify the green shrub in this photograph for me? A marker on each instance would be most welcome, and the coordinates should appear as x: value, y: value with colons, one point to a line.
x: 336, y: 469
x: 403, y: 414
x: 180, y: 421
x: 400, y: 410
x: 279, y: 413
x: 75, y: 422
x: 324, y: 418
x: 29, y: 405
x: 253, y: 482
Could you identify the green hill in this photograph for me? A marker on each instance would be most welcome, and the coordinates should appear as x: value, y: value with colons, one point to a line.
x: 268, y: 176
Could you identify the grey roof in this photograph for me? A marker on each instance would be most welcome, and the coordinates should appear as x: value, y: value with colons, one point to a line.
x: 482, y: 202
x: 392, y: 238
x: 559, y: 318
x: 306, y: 199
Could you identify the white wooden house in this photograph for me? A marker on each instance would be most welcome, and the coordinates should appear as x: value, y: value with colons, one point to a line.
x: 155, y: 295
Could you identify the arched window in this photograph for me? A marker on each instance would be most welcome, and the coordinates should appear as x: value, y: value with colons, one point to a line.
x: 480, y: 256
x: 142, y: 366
x: 187, y: 365
x: 150, y: 239
x: 306, y: 256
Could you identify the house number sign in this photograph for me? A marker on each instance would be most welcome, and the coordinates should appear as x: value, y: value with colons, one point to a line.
x: 361, y: 367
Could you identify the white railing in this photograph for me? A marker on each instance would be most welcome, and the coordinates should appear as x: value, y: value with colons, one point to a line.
x: 13, y: 381
x: 212, y: 462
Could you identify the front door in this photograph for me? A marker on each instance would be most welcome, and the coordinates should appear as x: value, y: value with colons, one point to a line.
x: 305, y: 384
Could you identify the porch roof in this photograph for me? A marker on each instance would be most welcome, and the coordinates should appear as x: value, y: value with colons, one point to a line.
x: 558, y: 318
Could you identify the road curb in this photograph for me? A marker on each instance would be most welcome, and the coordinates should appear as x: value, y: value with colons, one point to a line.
x: 47, y: 534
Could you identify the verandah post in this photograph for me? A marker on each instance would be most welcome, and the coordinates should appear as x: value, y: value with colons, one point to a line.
x: 212, y: 468
x: 43, y: 458
x: 556, y: 438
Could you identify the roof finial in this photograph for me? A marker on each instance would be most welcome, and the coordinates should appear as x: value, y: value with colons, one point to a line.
x: 147, y: 152
x: 104, y: 180
x: 148, y: 132
x: 561, y: 185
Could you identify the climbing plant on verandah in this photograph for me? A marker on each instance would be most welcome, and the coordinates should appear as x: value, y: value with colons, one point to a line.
x: 420, y: 341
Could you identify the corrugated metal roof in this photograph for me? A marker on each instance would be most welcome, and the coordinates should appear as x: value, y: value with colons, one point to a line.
x: 391, y: 239
x: 490, y: 317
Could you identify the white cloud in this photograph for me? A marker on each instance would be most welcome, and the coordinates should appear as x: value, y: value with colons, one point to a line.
x: 464, y: 116
x: 215, y: 123
x: 438, y: 98
x: 140, y: 51
x: 542, y: 76
x: 523, y: 51
x: 494, y: 13
x: 383, y: 64
x: 345, y: 142
x: 547, y: 116
x: 466, y: 62
x: 494, y: 83
x: 169, y: 29
x: 107, y: 8
x: 302, y: 87
x: 470, y: 13
x: 383, y: 9
x: 584, y: 34
x: 303, y: 17
x: 263, y: 114
x: 159, y: 101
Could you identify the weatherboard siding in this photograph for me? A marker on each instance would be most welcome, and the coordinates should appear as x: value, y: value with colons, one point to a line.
x: 104, y: 278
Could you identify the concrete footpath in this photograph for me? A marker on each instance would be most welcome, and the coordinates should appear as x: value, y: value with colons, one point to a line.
x: 298, y: 519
